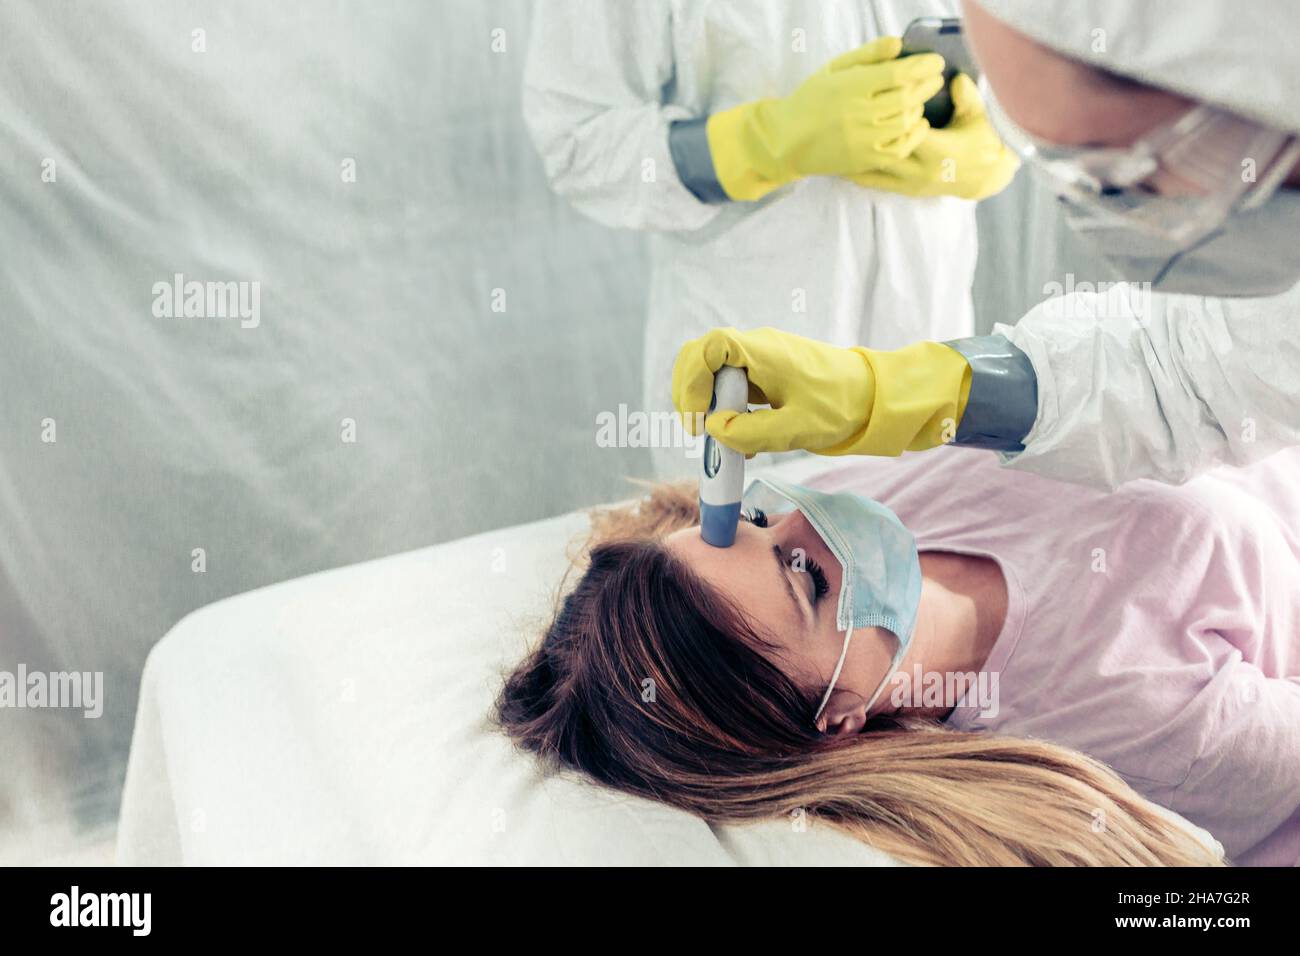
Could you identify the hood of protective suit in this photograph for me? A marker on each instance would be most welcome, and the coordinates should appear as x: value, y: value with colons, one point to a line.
x: 1240, y: 56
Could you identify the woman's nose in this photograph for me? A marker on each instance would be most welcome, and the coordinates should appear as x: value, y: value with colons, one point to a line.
x: 795, y: 531
x: 791, y: 526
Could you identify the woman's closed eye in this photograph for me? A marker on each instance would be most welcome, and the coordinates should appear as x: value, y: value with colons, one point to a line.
x: 799, y: 560
x: 820, y: 585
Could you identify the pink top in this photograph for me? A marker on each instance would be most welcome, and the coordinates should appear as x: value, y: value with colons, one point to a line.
x: 1156, y: 628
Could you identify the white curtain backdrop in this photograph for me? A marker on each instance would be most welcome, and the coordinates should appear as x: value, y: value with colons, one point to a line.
x: 436, y: 332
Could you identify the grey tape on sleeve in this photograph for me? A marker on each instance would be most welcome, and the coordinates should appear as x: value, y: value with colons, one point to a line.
x: 1003, y: 402
x: 688, y: 141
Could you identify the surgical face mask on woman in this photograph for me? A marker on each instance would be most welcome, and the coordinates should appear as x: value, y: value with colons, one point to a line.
x: 833, y: 579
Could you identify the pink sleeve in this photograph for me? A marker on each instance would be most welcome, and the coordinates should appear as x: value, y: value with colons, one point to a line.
x: 1244, y: 784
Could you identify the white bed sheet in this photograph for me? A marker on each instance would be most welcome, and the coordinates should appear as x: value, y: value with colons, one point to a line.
x: 342, y: 718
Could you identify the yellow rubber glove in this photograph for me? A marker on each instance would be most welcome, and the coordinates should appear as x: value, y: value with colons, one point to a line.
x: 825, y: 399
x: 965, y: 158
x: 861, y: 112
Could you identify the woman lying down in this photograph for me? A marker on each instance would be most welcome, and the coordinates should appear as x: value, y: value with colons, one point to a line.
x: 813, y: 665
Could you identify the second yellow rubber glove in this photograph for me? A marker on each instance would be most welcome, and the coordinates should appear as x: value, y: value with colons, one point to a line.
x: 965, y: 158
x: 861, y: 112
x: 825, y: 399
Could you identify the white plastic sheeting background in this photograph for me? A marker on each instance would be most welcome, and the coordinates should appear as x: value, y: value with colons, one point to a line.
x: 377, y: 297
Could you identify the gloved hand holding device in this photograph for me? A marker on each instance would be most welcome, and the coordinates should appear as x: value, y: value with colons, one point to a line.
x: 825, y: 399
x: 861, y: 113
x: 966, y: 158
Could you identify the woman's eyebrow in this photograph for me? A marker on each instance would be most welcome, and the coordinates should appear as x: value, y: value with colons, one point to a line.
x: 804, y: 608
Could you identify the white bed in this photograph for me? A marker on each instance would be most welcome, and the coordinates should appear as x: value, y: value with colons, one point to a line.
x: 342, y: 718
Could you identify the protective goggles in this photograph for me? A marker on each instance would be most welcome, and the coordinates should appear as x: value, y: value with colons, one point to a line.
x: 1179, y: 182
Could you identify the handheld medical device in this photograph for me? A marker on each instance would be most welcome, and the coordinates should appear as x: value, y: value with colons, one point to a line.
x: 942, y: 35
x: 722, y: 470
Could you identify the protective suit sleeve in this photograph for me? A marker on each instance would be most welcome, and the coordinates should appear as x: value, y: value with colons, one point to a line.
x: 593, y: 104
x: 1137, y: 384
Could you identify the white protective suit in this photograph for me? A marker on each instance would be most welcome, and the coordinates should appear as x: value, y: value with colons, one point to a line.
x: 821, y: 257
x: 1164, y: 386
x: 1158, y: 386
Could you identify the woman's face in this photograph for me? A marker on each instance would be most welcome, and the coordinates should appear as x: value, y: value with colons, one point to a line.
x: 787, y: 581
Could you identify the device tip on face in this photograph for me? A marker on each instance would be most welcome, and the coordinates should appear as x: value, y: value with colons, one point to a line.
x: 718, y: 523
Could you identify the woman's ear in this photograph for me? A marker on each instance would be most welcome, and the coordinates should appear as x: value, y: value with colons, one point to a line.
x: 845, y: 713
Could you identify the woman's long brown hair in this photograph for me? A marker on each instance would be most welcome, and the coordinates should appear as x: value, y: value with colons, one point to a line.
x: 651, y: 682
